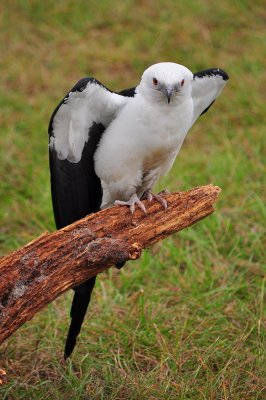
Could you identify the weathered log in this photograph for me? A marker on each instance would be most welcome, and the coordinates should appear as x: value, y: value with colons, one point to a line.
x: 34, y: 275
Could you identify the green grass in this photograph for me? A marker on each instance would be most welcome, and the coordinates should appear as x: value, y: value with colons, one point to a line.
x: 186, y: 321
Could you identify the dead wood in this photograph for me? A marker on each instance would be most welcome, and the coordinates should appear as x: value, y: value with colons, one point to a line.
x: 34, y: 275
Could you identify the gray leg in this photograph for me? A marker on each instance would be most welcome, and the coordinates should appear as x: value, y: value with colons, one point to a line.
x: 132, y: 202
x: 152, y: 196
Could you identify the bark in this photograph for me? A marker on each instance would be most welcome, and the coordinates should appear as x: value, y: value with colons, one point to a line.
x: 34, y: 275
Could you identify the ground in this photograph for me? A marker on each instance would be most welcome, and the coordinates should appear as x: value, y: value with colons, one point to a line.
x: 185, y: 321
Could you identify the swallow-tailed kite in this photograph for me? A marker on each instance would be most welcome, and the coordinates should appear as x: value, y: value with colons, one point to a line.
x: 111, y: 148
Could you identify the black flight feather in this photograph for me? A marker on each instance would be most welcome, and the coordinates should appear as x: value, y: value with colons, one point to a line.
x: 77, y: 192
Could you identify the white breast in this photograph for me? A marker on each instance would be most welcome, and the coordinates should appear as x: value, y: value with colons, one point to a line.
x: 143, y: 137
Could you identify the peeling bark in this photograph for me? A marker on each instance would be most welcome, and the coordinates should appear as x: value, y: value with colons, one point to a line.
x: 37, y: 273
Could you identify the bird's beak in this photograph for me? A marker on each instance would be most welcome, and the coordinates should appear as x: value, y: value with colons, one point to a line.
x: 169, y: 93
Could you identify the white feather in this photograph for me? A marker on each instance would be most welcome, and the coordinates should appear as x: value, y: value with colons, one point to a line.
x: 143, y: 134
x: 141, y: 144
x: 73, y: 120
x: 204, y: 91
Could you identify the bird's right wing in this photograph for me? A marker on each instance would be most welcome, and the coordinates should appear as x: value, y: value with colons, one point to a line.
x: 75, y: 129
x: 87, y: 103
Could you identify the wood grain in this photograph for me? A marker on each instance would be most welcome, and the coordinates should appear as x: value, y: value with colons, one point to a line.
x: 34, y: 275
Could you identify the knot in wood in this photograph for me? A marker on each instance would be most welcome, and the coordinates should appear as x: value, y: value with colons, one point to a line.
x: 135, y: 251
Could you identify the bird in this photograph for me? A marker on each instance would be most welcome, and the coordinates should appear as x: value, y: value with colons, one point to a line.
x: 109, y: 148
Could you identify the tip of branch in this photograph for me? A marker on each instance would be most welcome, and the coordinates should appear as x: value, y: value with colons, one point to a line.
x: 2, y: 376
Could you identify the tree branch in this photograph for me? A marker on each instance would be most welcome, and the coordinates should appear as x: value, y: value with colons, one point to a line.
x: 37, y: 273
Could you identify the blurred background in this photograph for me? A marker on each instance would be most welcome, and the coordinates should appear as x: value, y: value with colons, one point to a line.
x: 185, y: 321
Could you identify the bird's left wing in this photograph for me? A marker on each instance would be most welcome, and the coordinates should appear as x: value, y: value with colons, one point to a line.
x: 206, y: 87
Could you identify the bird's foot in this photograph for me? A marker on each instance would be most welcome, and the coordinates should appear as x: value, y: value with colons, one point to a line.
x: 132, y: 202
x: 152, y: 196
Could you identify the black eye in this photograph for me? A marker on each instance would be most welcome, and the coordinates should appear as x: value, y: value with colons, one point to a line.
x: 182, y: 82
x: 155, y: 82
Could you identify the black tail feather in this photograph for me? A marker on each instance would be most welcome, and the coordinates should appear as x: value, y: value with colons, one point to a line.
x: 79, y: 307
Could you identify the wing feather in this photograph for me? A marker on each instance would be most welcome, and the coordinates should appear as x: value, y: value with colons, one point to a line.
x: 75, y: 129
x: 87, y: 103
x: 76, y: 189
x: 206, y: 87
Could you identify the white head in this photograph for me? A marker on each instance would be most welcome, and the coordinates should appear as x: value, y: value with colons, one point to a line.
x: 166, y: 83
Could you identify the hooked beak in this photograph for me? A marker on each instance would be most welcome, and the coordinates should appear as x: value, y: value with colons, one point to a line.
x: 169, y: 93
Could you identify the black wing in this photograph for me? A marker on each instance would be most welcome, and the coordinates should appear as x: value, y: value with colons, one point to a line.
x: 76, y: 189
